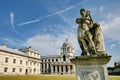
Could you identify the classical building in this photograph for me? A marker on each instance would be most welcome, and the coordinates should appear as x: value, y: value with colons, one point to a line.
x: 59, y: 64
x: 20, y: 62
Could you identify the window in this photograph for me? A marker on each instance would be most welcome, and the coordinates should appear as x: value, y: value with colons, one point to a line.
x: 6, y: 60
x: 34, y: 70
x: 68, y: 49
x: 56, y: 60
x: 49, y: 60
x: 45, y: 60
x: 64, y: 58
x: 52, y: 60
x: 42, y: 60
x: 5, y: 69
x: 13, y: 70
x: 20, y: 70
x: 71, y: 67
x: 21, y: 61
x: 14, y: 60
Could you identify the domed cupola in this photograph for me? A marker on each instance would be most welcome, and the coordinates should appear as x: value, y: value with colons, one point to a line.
x: 67, y: 49
x: 66, y: 43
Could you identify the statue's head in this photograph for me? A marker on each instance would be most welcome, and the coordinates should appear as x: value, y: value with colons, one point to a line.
x: 82, y: 11
x: 96, y: 25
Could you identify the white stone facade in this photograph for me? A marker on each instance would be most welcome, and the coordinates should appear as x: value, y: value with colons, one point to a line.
x: 20, y: 62
x: 59, y: 64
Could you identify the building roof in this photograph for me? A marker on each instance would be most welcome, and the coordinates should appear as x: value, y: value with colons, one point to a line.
x: 27, y: 49
x: 13, y: 51
x: 51, y: 56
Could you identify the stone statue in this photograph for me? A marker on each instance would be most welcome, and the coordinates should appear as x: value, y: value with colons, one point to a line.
x: 90, y: 35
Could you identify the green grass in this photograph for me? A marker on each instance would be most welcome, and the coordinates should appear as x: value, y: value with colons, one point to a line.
x: 114, y: 78
x: 46, y: 77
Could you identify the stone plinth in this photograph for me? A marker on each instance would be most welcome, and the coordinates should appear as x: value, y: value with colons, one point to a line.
x: 91, y: 67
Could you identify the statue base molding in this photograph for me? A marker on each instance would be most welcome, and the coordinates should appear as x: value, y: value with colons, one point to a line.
x: 91, y: 67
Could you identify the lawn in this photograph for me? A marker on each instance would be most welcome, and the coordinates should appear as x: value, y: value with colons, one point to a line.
x: 46, y: 77
x: 42, y: 77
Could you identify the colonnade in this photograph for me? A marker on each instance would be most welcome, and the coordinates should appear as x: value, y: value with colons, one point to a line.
x: 62, y: 69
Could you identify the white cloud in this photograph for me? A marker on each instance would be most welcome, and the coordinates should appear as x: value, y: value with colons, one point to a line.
x: 12, y: 20
x: 46, y: 44
x: 49, y: 44
x: 112, y: 46
x: 101, y: 8
x: 13, y: 26
x: 119, y: 43
x: 111, y: 28
x: 84, y: 1
x: 61, y: 11
x: 109, y: 15
x: 56, y: 13
x: 28, y: 22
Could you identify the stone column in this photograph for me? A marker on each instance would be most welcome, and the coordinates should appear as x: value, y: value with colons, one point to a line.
x: 51, y: 69
x: 73, y: 69
x: 55, y: 69
x: 69, y: 69
x: 64, y: 69
x: 43, y: 68
x: 46, y: 67
x: 60, y: 69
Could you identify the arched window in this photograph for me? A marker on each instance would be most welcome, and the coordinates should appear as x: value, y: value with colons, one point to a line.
x: 64, y: 58
x: 68, y: 49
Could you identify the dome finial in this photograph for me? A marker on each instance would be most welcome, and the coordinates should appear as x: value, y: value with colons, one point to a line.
x: 66, y: 39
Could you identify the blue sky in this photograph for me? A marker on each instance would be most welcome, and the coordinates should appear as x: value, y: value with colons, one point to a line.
x: 45, y: 24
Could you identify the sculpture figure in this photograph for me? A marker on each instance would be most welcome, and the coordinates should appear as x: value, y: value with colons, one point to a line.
x: 89, y: 34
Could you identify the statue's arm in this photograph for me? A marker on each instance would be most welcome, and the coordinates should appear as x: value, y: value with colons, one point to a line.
x: 78, y: 20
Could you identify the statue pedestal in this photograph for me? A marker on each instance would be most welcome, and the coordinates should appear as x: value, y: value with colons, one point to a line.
x: 91, y: 67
